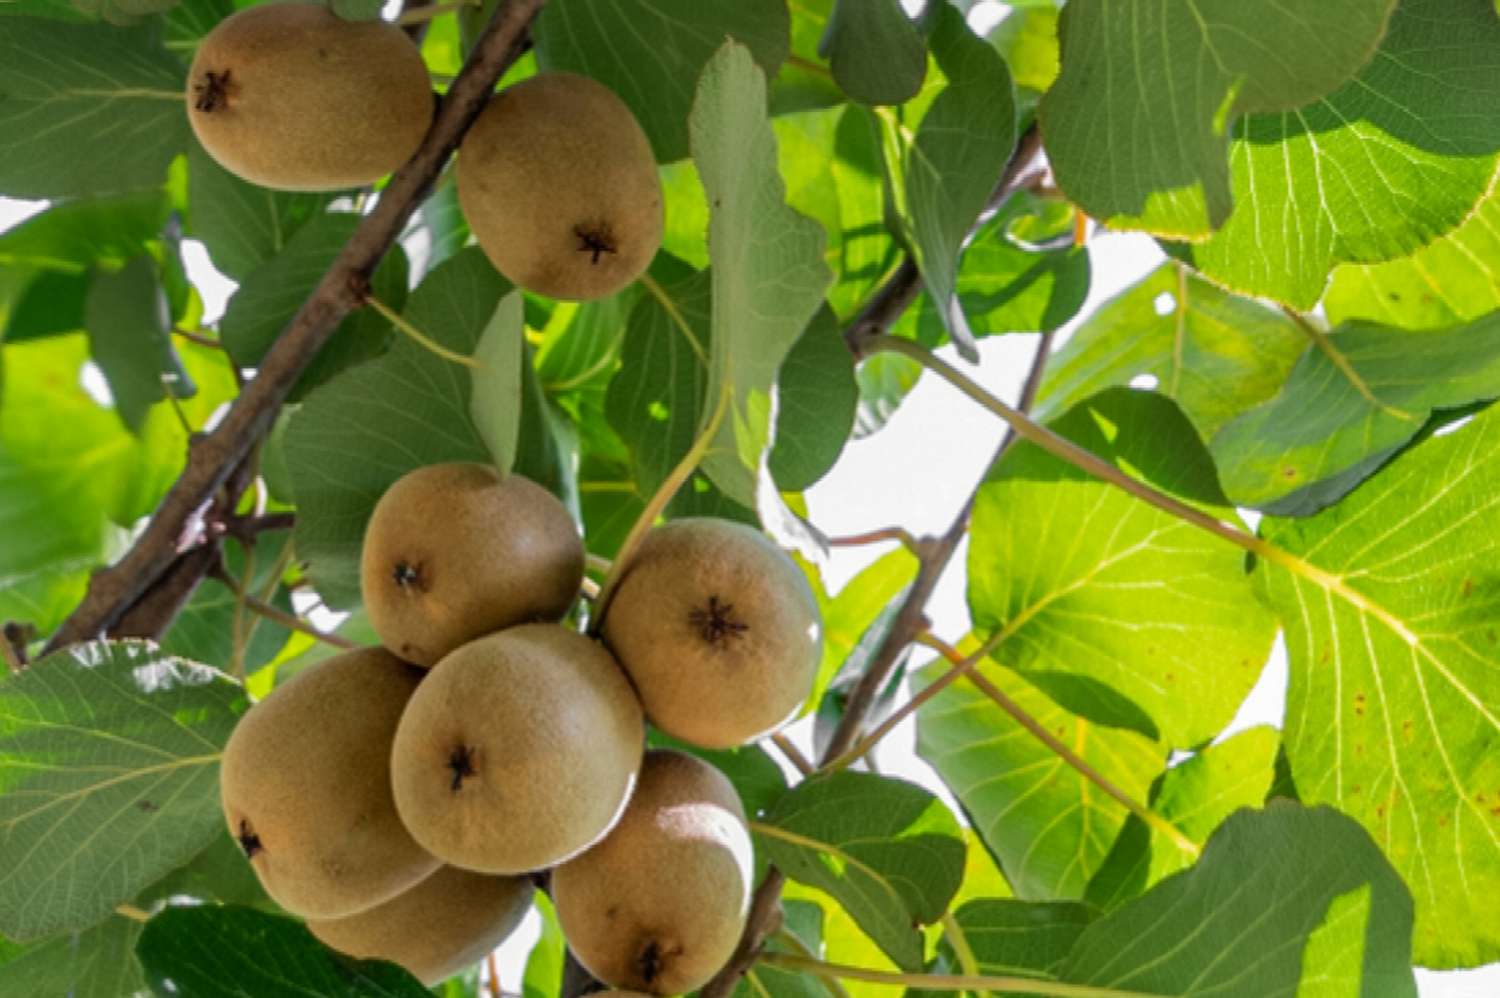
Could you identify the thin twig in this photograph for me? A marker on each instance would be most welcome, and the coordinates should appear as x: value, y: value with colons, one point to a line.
x: 199, y: 338
x: 277, y: 615
x: 423, y: 13
x: 899, y: 534
x: 113, y: 590
x: 793, y: 754
x: 949, y: 982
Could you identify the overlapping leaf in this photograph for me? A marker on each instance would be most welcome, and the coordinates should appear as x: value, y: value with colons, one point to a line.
x: 1395, y: 158
x: 98, y: 962
x: 1393, y: 707
x: 109, y: 757
x: 1214, y: 354
x: 1345, y: 409
x: 876, y: 53
x: 1136, y: 124
x: 129, y: 328
x: 651, y: 52
x: 1121, y: 612
x: 1049, y: 826
x: 1282, y: 898
x: 1010, y: 938
x: 86, y: 109
x: 888, y: 850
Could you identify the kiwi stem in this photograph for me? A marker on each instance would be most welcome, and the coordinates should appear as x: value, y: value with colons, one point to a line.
x: 959, y: 940
x: 276, y: 615
x: 594, y: 563
x: 881, y: 536
x: 197, y: 337
x: 794, y: 755
x: 965, y: 666
x: 397, y: 320
x: 422, y: 15
x: 947, y: 982
x: 656, y: 506
x: 131, y: 912
x: 807, y: 65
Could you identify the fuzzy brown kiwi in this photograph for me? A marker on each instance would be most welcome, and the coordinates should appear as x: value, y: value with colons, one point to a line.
x: 660, y: 903
x: 437, y: 928
x: 519, y: 750
x: 454, y: 551
x: 306, y: 787
x: 718, y: 629
x: 560, y: 188
x: 293, y: 97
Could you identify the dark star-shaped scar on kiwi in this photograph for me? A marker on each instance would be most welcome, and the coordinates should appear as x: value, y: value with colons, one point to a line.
x: 407, y: 575
x: 248, y: 840
x: 212, y: 90
x: 595, y: 239
x: 715, y: 623
x: 461, y: 762
x: 648, y: 962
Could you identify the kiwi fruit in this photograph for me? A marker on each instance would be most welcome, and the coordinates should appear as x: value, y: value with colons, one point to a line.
x: 290, y: 96
x: 454, y: 551
x: 660, y: 903
x: 519, y: 750
x: 306, y: 787
x: 437, y: 928
x: 560, y: 188
x: 718, y: 630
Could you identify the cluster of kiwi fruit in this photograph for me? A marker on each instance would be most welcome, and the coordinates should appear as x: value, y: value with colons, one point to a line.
x: 556, y: 178
x: 404, y: 799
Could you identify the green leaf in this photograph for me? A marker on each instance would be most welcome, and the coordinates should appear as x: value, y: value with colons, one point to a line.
x: 87, y: 109
x: 768, y: 270
x: 219, y: 874
x: 1454, y: 279
x: 801, y: 933
x: 815, y: 401
x: 357, y: 10
x: 888, y: 850
x: 1325, y: 431
x: 1213, y: 353
x: 98, y: 962
x: 204, y: 630
x: 544, y: 964
x: 875, y: 51
x: 51, y: 304
x: 129, y: 329
x: 1393, y: 711
x: 1121, y: 612
x: 856, y: 610
x: 242, y: 225
x: 273, y: 292
x: 1137, y: 124
x: 124, y: 12
x: 1195, y: 796
x: 1011, y: 938
x: 74, y: 236
x: 1049, y: 827
x: 1282, y: 897
x: 209, y: 952
x: 495, y: 403
x: 109, y: 757
x: 368, y: 426
x: 185, y: 24
x: 1394, y: 159
x: 651, y: 52
x: 949, y: 171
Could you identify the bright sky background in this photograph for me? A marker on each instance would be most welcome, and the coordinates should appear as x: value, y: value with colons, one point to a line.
x: 916, y: 472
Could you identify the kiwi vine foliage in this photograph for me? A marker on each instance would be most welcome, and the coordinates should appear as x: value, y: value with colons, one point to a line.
x: 1333, y: 153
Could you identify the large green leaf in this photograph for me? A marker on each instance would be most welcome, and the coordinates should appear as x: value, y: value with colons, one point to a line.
x: 1137, y: 122
x: 74, y: 236
x: 98, y: 962
x: 129, y: 328
x: 109, y: 757
x: 1010, y: 938
x: 211, y: 952
x: 1393, y: 707
x: 768, y: 270
x: 1394, y: 159
x: 1283, y: 898
x: 358, y: 433
x: 651, y: 52
x: 1049, y: 827
x: 1215, y: 354
x: 86, y: 109
x: 1346, y: 408
x: 943, y: 177
x: 1121, y: 612
x: 241, y: 224
x: 1194, y: 796
x: 270, y: 295
x: 875, y: 51
x: 816, y: 396
x: 888, y: 850
x: 1452, y: 280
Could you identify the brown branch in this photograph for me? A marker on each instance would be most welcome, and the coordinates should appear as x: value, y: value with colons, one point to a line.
x: 14, y: 639
x: 113, y: 590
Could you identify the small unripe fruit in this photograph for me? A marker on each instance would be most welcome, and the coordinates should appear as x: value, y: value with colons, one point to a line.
x: 293, y: 97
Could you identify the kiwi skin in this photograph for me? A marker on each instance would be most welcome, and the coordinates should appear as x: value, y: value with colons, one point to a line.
x: 718, y: 629
x: 455, y: 551
x: 305, y: 786
x: 519, y: 750
x: 559, y: 185
x: 659, y: 905
x: 292, y: 97
x: 442, y: 925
